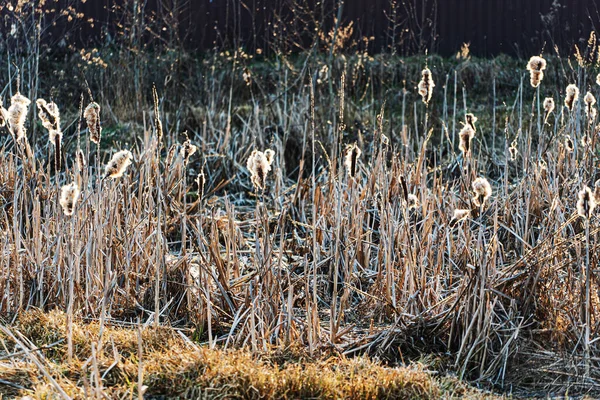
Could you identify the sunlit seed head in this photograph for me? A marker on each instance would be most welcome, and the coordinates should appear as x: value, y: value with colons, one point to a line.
x: 118, y: 164
x: 187, y: 150
x: 69, y: 195
x: 536, y: 66
x: 426, y: 85
x: 49, y: 115
x: 571, y: 97
x: 92, y: 119
x: 413, y: 201
x: 597, y: 192
x: 460, y: 215
x: 483, y: 191
x: 351, y: 159
x: 465, y: 136
x: 585, y: 203
x: 259, y: 165
x: 17, y: 115
x: 549, y: 105
x: 80, y: 159
x: 569, y: 145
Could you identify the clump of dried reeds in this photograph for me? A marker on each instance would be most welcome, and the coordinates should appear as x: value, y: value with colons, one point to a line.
x: 351, y: 159
x: 536, y: 67
x: 483, y: 191
x: 118, y: 164
x: 92, y: 119
x: 259, y: 165
x: 571, y: 97
x: 426, y: 85
x: 69, y: 195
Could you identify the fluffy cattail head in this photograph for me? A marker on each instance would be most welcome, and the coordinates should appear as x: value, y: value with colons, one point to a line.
x: 460, y: 215
x: 470, y: 119
x: 536, y: 66
x: 513, y: 150
x: 598, y: 79
x: 483, y: 191
x: 259, y: 165
x: 351, y: 159
x: 571, y: 97
x: 548, y: 105
x: 426, y: 85
x: 80, y: 159
x: 597, y: 191
x: 118, y: 164
x: 69, y: 195
x: 590, y: 110
x: 413, y: 201
x: 92, y: 119
x: 465, y: 135
x: 187, y: 149
x: 569, y: 145
x: 585, y: 203
x: 3, y: 116
x: 17, y: 114
x: 49, y: 115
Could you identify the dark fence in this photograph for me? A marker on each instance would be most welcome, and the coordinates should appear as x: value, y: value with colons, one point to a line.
x: 517, y: 27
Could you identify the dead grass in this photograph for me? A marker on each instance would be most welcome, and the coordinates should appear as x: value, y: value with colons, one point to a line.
x: 175, y: 367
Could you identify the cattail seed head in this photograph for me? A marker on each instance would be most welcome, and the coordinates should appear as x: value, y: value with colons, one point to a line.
x: 571, y: 97
x: 69, y: 195
x: 548, y: 105
x: 536, y: 67
x: 597, y: 191
x: 351, y: 159
x: 483, y: 191
x: 585, y: 203
x: 118, y: 164
x: 259, y: 165
x: 247, y: 75
x: 200, y: 181
x: 92, y: 119
x: 460, y: 215
x: 49, y: 115
x: 598, y: 79
x: 17, y: 114
x: 569, y: 145
x: 514, y: 152
x: 413, y: 201
x: 426, y: 85
x: 80, y: 159
x: 465, y: 135
x: 470, y: 119
x: 590, y: 110
x: 3, y: 116
x: 187, y: 149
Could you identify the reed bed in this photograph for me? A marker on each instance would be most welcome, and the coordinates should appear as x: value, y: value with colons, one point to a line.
x: 300, y: 221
